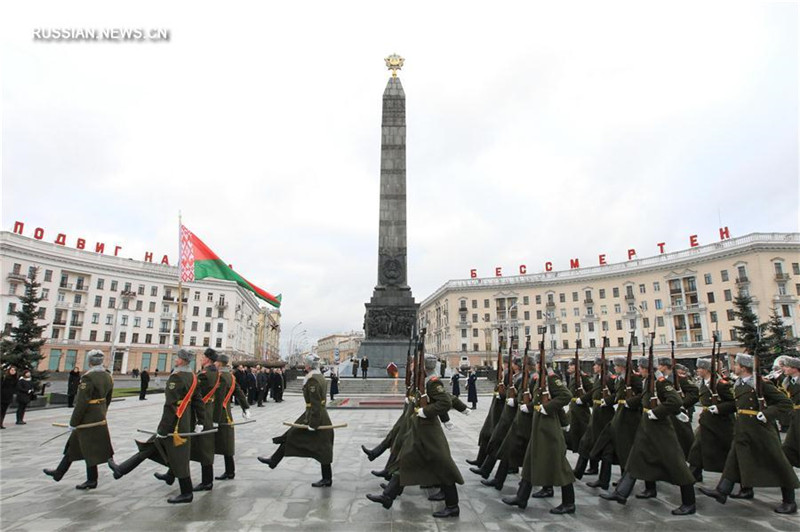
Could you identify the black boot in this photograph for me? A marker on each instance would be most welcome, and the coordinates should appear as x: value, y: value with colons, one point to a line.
x: 521, y: 498
x: 697, y: 473
x: 391, y: 491
x: 649, y: 492
x: 448, y: 511
x: 593, y: 464
x: 207, y: 479
x: 604, y: 478
x: 499, y: 477
x: 744, y: 493
x: 230, y: 468
x: 91, y: 479
x: 481, y: 457
x: 721, y: 492
x: 486, y: 468
x: 788, y: 505
x: 545, y: 493
x: 438, y: 496
x: 567, y: 505
x: 60, y: 469
x: 120, y: 470
x: 186, y: 492
x: 622, y: 491
x: 167, y: 477
x: 372, y: 454
x: 687, y: 501
x: 275, y: 459
x: 327, y: 477
x: 580, y: 467
x: 451, y: 508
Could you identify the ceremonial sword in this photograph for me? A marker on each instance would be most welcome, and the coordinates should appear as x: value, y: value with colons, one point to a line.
x: 64, y: 425
x: 321, y: 427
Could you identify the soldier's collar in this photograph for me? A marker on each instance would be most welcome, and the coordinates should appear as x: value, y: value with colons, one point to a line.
x: 96, y: 368
x: 183, y: 369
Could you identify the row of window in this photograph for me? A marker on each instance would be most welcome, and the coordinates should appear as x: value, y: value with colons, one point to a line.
x: 163, y: 339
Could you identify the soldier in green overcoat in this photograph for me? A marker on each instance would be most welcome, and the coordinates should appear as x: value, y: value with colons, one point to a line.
x: 656, y: 454
x: 756, y: 458
x: 602, y: 414
x: 425, y: 457
x: 309, y: 441
x: 580, y: 409
x: 91, y: 444
x: 492, y: 417
x: 791, y: 383
x: 689, y: 393
x: 225, y: 438
x: 182, y: 401
x: 714, y: 433
x: 208, y: 381
x: 545, y: 462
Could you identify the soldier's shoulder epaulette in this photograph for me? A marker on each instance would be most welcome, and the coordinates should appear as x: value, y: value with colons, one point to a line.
x: 661, y: 379
x: 724, y: 381
x: 434, y: 379
x: 613, y: 376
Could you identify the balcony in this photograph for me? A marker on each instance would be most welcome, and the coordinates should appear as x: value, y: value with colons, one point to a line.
x: 81, y: 288
x: 674, y: 291
x: 630, y: 298
x: 781, y: 277
x: 16, y: 277
x: 169, y: 316
x: 76, y: 324
x: 127, y: 294
x: 60, y: 323
x: 551, y: 305
x: 223, y: 305
x: 164, y: 331
x: 696, y: 326
x: 74, y: 306
x: 588, y: 301
x: 742, y: 280
x: 168, y: 298
x: 65, y: 286
x: 691, y: 289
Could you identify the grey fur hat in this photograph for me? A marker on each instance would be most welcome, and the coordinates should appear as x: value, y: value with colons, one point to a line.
x: 665, y: 361
x: 95, y: 357
x: 644, y: 362
x: 744, y: 360
x: 620, y: 361
x: 430, y: 362
x: 312, y: 361
x: 223, y: 359
x: 210, y: 354
x: 186, y: 354
x: 704, y: 363
x: 792, y: 362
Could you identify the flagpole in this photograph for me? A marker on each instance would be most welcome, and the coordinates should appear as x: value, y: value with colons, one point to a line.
x: 180, y: 285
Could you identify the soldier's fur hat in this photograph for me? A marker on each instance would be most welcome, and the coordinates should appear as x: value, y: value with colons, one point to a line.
x: 704, y: 363
x: 644, y: 362
x: 223, y: 359
x: 744, y: 360
x: 312, y: 361
x: 518, y: 361
x: 620, y: 361
x: 681, y: 367
x: 665, y: 361
x: 95, y: 357
x: 792, y: 362
x: 430, y: 362
x: 599, y: 360
x: 186, y: 354
x: 210, y: 354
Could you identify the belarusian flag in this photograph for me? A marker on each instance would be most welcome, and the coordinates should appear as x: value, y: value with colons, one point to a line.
x: 199, y: 262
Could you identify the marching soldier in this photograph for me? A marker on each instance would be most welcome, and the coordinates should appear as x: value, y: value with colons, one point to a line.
x: 310, y: 441
x: 545, y: 463
x: 168, y: 447
x: 689, y: 395
x: 225, y: 438
x: 425, y: 457
x: 656, y: 453
x: 756, y: 458
x: 791, y: 445
x: 492, y: 417
x: 91, y: 444
x: 580, y: 412
x: 208, y: 381
x: 602, y: 414
x: 712, y: 439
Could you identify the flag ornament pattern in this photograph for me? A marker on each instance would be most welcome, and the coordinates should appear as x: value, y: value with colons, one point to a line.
x: 197, y: 262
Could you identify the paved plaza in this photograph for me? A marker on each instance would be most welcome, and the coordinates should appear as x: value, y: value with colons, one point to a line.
x: 282, y: 499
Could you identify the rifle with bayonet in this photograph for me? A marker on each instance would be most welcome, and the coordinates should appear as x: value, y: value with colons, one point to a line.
x: 579, y: 390
x: 713, y: 378
x: 674, y: 369
x: 759, y: 381
x: 526, y: 393
x: 409, y: 362
x: 543, y: 384
x: 501, y: 385
x: 604, y: 372
x: 629, y: 369
x: 512, y: 390
x: 651, y: 373
x: 423, y: 399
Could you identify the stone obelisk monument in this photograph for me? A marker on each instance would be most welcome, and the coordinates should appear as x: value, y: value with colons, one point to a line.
x: 392, y: 312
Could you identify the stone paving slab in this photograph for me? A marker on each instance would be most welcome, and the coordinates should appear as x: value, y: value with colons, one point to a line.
x: 283, y: 499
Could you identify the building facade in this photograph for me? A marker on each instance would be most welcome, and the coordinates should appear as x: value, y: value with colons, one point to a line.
x: 127, y: 308
x: 683, y: 296
x: 341, y: 345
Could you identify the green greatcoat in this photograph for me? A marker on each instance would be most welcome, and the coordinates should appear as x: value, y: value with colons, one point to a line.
x: 602, y: 414
x: 504, y: 423
x: 492, y: 417
x: 172, y: 454
x: 579, y: 414
x: 615, y: 442
x: 91, y: 404
x: 791, y: 445
x: 714, y: 434
x: 225, y: 437
x: 756, y: 459
x: 656, y: 453
x: 425, y: 457
x: 393, y: 464
x: 516, y: 441
x: 316, y: 444
x: 545, y: 462
x: 208, y: 380
x: 683, y: 429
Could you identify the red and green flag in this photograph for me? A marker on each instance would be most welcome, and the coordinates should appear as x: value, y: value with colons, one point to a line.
x: 199, y: 262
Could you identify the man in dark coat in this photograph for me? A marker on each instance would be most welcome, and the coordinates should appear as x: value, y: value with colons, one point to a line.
x: 225, y: 438
x: 689, y: 394
x: 144, y: 382
x: 756, y: 458
x: 334, y: 384
x: 277, y: 384
x: 454, y: 383
x: 656, y: 453
x: 425, y: 457
x: 252, y: 385
x: 182, y: 401
x: 364, y: 367
x: 208, y: 381
x: 25, y: 395
x: 262, y: 382
x: 308, y: 439
x: 472, y: 388
x: 602, y: 414
x: 354, y: 367
x: 73, y: 381
x: 791, y: 383
x: 91, y: 444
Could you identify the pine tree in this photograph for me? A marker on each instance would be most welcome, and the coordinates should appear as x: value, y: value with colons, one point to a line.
x: 23, y: 349
x: 748, y: 332
x: 779, y: 340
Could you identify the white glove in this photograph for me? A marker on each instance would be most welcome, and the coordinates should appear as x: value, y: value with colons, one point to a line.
x: 683, y: 417
x: 199, y: 428
x: 542, y: 410
x: 246, y: 413
x: 714, y: 409
x: 626, y: 405
x: 421, y: 413
x: 448, y: 425
x: 71, y: 428
x: 510, y: 402
x: 761, y: 417
x: 466, y: 412
x: 616, y: 405
x: 524, y: 408
x: 565, y: 428
x: 311, y: 430
x: 578, y: 401
x: 407, y: 400
x: 162, y: 435
x: 652, y: 415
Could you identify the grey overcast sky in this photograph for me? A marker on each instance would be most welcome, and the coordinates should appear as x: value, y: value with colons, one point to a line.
x: 535, y: 133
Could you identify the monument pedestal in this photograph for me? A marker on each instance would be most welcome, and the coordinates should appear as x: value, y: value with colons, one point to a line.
x: 380, y: 352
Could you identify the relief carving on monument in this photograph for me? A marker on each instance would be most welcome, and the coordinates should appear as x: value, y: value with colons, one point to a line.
x: 391, y: 270
x: 389, y: 323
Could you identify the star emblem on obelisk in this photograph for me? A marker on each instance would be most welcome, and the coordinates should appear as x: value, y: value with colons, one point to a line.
x: 394, y: 63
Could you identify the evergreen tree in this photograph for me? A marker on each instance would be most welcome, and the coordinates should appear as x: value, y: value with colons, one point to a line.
x: 748, y: 333
x: 779, y: 340
x: 23, y: 348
